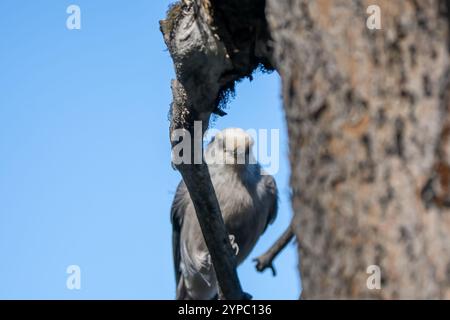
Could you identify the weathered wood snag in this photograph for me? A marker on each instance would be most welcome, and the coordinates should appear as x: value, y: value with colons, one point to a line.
x: 212, y: 43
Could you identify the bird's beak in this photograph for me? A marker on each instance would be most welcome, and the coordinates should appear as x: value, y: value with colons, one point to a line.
x: 242, y: 151
x: 242, y: 154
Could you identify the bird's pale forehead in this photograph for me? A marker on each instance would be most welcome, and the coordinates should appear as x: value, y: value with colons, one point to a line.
x: 232, y: 133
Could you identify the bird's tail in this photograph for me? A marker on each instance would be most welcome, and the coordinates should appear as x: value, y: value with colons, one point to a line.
x: 182, y: 293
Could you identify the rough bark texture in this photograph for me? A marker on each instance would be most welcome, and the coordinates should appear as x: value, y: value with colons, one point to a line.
x: 368, y: 116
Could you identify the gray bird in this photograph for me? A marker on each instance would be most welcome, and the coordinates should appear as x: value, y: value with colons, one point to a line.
x: 248, y: 201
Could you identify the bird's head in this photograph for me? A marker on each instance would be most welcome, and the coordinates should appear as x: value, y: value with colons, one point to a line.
x: 232, y: 146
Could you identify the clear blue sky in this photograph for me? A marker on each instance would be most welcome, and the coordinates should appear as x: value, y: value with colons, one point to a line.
x: 85, y: 175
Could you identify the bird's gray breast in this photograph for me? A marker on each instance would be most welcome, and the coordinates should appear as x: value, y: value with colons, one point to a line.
x: 242, y: 208
x: 241, y: 199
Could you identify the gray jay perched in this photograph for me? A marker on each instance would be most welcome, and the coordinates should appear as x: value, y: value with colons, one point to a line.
x: 248, y: 201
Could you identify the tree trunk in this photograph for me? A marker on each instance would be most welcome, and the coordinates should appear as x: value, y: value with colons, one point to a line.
x: 368, y: 115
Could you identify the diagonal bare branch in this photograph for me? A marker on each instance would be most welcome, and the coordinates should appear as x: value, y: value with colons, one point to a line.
x: 265, y: 260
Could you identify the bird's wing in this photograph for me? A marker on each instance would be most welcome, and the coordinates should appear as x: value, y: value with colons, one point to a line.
x: 176, y: 217
x: 271, y: 193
